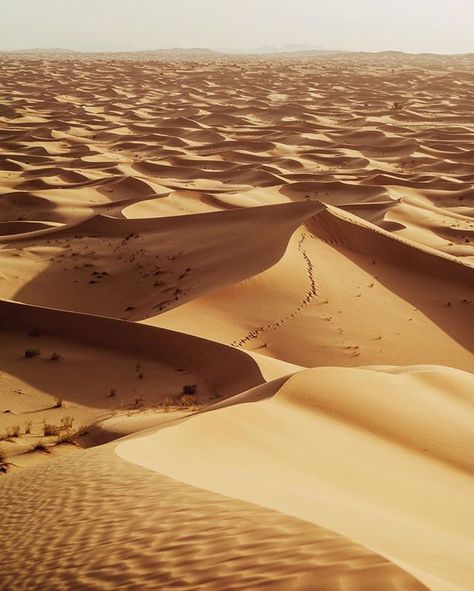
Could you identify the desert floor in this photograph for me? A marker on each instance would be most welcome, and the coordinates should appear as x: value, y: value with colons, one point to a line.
x: 236, y: 323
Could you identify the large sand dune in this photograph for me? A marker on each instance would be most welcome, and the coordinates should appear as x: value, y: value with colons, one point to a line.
x: 247, y: 286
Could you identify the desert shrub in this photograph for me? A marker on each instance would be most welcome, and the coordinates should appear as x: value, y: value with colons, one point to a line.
x: 66, y: 423
x: 186, y: 401
x: 113, y: 392
x: 29, y: 353
x: 28, y: 427
x: 65, y: 437
x: 3, y: 462
x: 41, y: 447
x: 58, y: 403
x: 70, y: 435
x: 13, y: 431
x: 190, y: 389
x: 50, y: 430
x: 55, y: 356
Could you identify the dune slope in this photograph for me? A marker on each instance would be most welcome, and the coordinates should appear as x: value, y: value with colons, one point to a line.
x: 363, y: 451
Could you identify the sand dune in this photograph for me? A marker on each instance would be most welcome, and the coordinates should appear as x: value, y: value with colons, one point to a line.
x: 135, y: 268
x: 190, y: 539
x: 246, y: 286
x: 335, y: 439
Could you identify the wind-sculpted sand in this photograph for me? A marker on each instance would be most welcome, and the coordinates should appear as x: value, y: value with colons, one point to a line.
x: 260, y: 271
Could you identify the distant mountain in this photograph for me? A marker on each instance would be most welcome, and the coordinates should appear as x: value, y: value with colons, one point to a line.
x: 36, y: 50
x: 287, y: 48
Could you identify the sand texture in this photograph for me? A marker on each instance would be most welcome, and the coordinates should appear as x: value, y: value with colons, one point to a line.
x: 236, y: 322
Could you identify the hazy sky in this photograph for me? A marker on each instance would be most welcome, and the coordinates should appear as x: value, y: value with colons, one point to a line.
x: 443, y: 26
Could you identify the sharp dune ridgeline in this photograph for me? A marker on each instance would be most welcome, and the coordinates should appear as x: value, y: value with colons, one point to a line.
x: 236, y: 321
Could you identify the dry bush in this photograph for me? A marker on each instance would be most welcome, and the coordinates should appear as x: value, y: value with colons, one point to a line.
x: 190, y: 389
x: 3, y: 463
x: 41, y: 447
x: 186, y: 401
x: 28, y: 427
x: 29, y: 353
x: 58, y: 403
x: 65, y: 437
x: 55, y: 356
x: 50, y: 430
x: 70, y: 435
x: 13, y: 431
x: 66, y: 423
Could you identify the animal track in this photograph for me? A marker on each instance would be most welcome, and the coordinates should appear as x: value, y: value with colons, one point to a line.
x: 310, y: 294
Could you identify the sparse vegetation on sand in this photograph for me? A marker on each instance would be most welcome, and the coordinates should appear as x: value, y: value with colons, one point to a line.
x: 41, y: 447
x: 4, y: 464
x: 190, y: 389
x: 50, y: 430
x: 168, y: 404
x: 64, y: 432
x: 11, y: 432
x: 14, y: 431
x: 70, y: 435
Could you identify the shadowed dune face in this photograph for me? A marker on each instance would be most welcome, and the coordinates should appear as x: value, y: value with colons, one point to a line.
x: 225, y: 369
x: 135, y: 269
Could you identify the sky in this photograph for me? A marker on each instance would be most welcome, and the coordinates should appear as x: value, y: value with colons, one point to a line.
x: 438, y: 26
